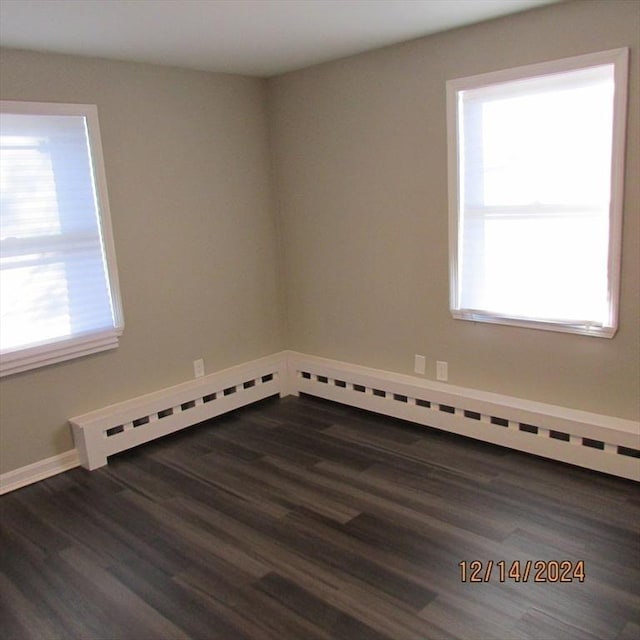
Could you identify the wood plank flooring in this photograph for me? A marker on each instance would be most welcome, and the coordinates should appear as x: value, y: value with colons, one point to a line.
x: 300, y: 519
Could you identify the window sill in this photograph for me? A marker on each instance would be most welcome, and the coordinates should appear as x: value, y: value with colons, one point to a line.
x: 585, y: 329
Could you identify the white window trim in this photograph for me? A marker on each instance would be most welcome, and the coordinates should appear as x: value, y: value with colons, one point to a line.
x: 64, y: 349
x: 620, y: 58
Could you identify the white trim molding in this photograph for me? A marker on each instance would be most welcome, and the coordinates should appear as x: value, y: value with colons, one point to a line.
x: 40, y: 470
x: 85, y: 236
x: 485, y: 226
x: 102, y: 433
x: 602, y: 443
x: 598, y: 442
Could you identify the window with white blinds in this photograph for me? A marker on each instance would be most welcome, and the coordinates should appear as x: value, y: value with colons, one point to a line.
x: 536, y: 157
x: 58, y: 283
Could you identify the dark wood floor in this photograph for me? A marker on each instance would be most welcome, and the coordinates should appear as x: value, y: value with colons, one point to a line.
x: 299, y: 519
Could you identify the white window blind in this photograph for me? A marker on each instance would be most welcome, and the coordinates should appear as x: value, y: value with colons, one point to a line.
x: 58, y: 283
x: 536, y: 159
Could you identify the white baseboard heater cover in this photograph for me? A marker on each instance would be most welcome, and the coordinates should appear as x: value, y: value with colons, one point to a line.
x: 121, y: 426
x: 601, y: 443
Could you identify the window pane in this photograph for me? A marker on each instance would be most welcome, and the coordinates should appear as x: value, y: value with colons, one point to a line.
x: 538, y: 267
x: 35, y: 304
x: 54, y: 277
x: 26, y: 212
x: 534, y: 201
x: 550, y: 148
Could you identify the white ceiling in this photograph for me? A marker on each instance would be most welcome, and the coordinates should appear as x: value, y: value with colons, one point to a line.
x: 251, y: 37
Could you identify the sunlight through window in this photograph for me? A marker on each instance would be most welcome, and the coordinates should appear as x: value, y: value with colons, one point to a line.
x: 536, y: 165
x: 58, y: 294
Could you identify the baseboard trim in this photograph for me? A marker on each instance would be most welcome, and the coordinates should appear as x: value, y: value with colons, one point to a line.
x: 602, y: 443
x: 113, y: 429
x: 40, y: 470
x: 578, y: 437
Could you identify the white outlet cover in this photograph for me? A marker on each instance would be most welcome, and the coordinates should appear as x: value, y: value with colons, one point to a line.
x: 198, y: 368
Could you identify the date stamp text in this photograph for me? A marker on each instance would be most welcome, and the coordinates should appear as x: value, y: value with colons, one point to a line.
x: 522, y: 570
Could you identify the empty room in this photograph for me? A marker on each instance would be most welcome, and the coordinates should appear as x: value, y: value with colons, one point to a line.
x: 320, y: 319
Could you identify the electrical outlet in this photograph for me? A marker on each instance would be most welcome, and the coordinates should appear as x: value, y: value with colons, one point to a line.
x: 442, y: 370
x: 198, y: 368
x: 419, y: 364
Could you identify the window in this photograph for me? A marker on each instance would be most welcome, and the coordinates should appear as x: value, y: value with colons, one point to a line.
x: 58, y: 284
x: 535, y: 185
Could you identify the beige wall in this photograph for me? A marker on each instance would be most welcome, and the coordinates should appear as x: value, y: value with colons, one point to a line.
x: 187, y: 165
x: 360, y: 148
x: 358, y: 252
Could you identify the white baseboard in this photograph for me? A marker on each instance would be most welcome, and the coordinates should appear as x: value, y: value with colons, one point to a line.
x: 598, y: 442
x: 101, y: 433
x: 37, y: 471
